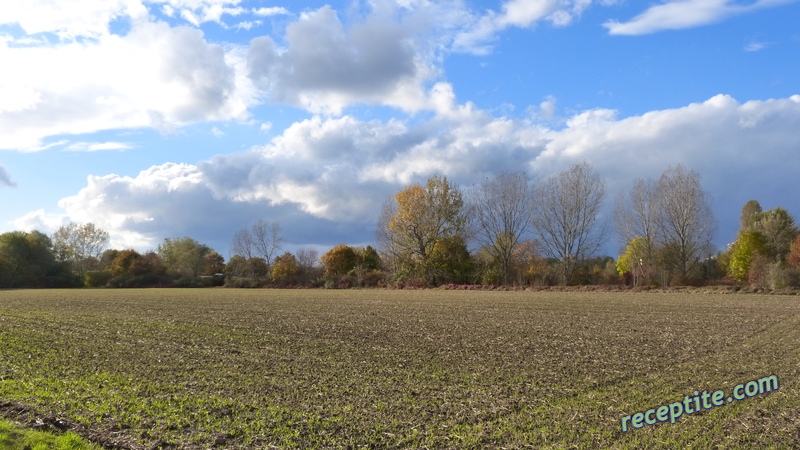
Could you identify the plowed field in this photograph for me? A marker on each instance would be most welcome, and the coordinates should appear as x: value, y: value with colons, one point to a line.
x: 232, y: 368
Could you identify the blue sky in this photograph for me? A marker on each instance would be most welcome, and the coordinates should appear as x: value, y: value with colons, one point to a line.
x: 158, y: 119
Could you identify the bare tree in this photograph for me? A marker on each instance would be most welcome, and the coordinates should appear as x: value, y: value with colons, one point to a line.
x: 500, y: 213
x: 79, y: 243
x: 565, y: 212
x: 266, y: 239
x: 635, y: 217
x: 685, y: 221
x: 242, y: 244
x: 262, y: 239
x: 307, y: 259
x: 390, y: 249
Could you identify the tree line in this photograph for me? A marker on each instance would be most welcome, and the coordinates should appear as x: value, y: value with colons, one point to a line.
x: 505, y: 230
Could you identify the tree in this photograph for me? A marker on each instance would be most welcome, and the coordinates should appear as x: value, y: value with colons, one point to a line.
x: 307, y: 259
x: 79, y: 244
x: 267, y: 239
x: 261, y: 239
x: 285, y: 268
x: 674, y: 220
x: 750, y: 210
x: 778, y: 229
x: 129, y: 268
x: 346, y: 260
x: 565, y: 211
x: 635, y: 218
x: 763, y: 245
x: 749, y: 245
x: 128, y: 263
x: 106, y: 258
x: 634, y: 259
x: 184, y: 256
x: 215, y: 264
x: 500, y: 208
x: 452, y: 261
x: 367, y: 260
x: 236, y: 267
x: 338, y: 261
x: 27, y: 260
x: 793, y: 258
x: 242, y: 244
x: 685, y: 221
x: 415, y: 219
x: 256, y: 267
x: 531, y: 267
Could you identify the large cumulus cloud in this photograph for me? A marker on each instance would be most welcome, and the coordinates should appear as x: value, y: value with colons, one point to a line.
x: 326, y: 66
x: 155, y: 76
x: 327, y: 177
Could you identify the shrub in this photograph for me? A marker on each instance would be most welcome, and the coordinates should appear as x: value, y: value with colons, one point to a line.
x: 346, y: 282
x: 415, y: 283
x: 98, y: 278
x: 792, y: 277
x: 374, y: 278
x: 243, y: 282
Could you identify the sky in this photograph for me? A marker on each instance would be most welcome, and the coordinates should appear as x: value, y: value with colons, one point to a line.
x: 161, y: 119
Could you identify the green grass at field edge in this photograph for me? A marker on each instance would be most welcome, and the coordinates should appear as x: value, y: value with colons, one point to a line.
x: 15, y: 437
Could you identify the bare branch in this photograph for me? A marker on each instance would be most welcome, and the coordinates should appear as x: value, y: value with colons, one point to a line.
x: 500, y: 212
x: 565, y: 214
x: 242, y: 244
x: 266, y: 239
x: 686, y: 223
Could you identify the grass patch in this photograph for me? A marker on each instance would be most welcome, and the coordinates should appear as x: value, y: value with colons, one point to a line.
x: 15, y: 437
x: 438, y: 369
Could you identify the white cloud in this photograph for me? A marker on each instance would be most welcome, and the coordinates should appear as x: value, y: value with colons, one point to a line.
x: 129, y: 207
x: 88, y: 18
x: 325, y: 178
x: 516, y: 13
x: 327, y: 66
x: 248, y: 24
x: 756, y: 46
x: 41, y: 221
x: 198, y: 12
x: 173, y: 200
x: 680, y: 14
x: 524, y: 13
x: 155, y: 76
x: 547, y: 108
x: 165, y: 77
x: 18, y: 100
x: 98, y: 146
x: 91, y: 18
x: 723, y: 139
x: 270, y: 11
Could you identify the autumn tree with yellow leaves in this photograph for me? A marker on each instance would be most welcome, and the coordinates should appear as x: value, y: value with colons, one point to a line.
x: 417, y: 219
